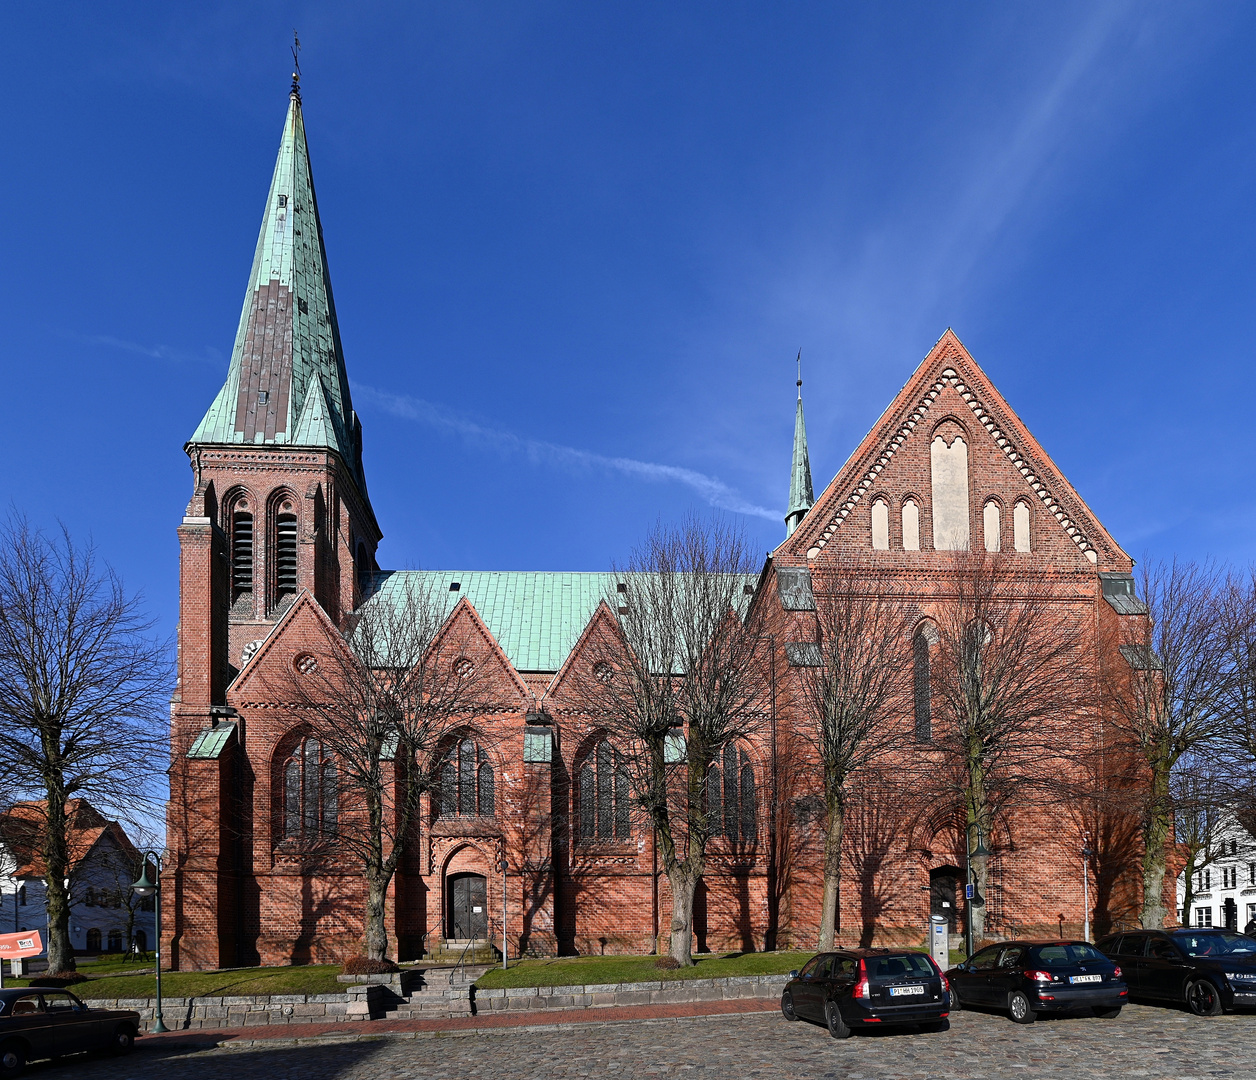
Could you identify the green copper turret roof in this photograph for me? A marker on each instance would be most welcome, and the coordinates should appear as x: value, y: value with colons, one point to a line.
x: 800, y: 494
x: 287, y: 383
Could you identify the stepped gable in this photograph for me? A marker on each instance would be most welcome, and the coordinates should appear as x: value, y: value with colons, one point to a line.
x: 949, y: 382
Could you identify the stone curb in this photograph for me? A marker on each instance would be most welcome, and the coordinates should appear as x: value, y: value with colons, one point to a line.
x: 179, y: 1041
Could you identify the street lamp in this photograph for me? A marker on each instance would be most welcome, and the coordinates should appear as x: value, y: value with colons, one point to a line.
x: 1087, y: 854
x: 972, y: 898
x: 144, y: 889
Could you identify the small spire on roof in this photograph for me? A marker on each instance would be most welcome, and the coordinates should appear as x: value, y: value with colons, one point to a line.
x: 801, y: 495
x: 296, y: 66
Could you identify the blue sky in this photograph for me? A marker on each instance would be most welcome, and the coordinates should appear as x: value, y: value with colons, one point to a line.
x: 575, y: 248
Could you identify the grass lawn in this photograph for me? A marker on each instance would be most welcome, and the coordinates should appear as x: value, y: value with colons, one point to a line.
x: 574, y: 970
x: 309, y: 979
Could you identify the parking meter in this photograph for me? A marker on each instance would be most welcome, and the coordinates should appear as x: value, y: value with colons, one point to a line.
x: 939, y: 943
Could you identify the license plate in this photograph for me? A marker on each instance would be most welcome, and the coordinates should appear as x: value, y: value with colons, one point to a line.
x: 1085, y: 978
x: 906, y: 991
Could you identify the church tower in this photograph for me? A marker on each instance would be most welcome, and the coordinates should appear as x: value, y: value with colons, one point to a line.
x: 279, y: 506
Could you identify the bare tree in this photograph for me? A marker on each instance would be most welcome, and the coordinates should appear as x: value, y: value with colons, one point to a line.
x: 378, y: 700
x: 1237, y: 741
x: 676, y: 682
x: 1168, y: 697
x: 854, y: 685
x: 1199, y: 823
x: 1010, y: 671
x: 83, y: 684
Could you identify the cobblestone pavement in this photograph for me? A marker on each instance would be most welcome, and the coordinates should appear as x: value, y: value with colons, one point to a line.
x: 1142, y: 1042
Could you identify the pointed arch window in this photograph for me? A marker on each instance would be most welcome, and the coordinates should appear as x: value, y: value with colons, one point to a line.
x: 731, y: 799
x: 310, y: 793
x: 602, y: 795
x: 467, y: 784
x: 921, y: 686
x: 1020, y: 526
x: 880, y: 525
x: 911, y: 525
x: 991, y: 523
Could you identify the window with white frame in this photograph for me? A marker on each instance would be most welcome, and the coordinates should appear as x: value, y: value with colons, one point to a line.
x: 1229, y: 877
x: 1203, y: 916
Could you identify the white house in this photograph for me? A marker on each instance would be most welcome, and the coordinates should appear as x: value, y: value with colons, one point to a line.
x: 1224, y: 892
x: 105, y: 916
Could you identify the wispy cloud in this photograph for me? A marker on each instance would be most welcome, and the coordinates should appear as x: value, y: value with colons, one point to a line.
x: 209, y: 355
x: 568, y: 458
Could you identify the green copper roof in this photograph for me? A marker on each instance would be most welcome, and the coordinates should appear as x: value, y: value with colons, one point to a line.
x: 800, y: 494
x: 535, y: 617
x: 211, y: 741
x: 287, y: 382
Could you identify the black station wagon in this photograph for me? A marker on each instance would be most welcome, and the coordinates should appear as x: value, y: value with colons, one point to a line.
x: 40, y: 1022
x: 1025, y: 978
x: 868, y: 988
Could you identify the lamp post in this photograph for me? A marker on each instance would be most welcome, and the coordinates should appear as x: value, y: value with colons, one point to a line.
x: 1087, y: 854
x: 143, y: 889
x: 972, y: 898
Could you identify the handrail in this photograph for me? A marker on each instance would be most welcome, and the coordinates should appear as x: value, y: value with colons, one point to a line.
x: 462, y: 961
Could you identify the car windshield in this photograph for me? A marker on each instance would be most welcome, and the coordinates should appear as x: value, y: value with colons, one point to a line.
x: 1215, y: 944
x: 907, y: 966
x: 1056, y: 956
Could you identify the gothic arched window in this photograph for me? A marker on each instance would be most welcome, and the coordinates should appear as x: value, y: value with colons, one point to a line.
x: 466, y: 782
x: 603, y: 795
x: 731, y: 811
x: 285, y: 551
x: 241, y: 527
x: 310, y: 792
x: 920, y: 686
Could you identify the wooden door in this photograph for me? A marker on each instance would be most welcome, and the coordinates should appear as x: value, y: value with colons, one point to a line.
x: 468, y: 907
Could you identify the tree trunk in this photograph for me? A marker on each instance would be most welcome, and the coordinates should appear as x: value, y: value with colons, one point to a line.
x: 832, y: 874
x: 57, y: 898
x: 977, y: 912
x: 1155, y: 833
x: 376, y: 929
x: 684, y: 885
x: 1188, y: 898
x: 1155, y: 837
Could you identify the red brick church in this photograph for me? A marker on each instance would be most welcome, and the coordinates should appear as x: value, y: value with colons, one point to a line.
x: 280, y: 538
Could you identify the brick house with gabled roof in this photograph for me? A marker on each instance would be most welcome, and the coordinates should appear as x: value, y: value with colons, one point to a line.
x: 278, y: 545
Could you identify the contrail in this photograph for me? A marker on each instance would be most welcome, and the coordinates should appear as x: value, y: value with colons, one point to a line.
x: 714, y: 491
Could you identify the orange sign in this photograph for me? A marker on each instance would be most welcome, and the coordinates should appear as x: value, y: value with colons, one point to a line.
x: 15, y: 946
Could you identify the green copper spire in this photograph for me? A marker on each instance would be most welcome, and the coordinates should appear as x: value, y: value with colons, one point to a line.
x: 287, y: 383
x: 800, y: 494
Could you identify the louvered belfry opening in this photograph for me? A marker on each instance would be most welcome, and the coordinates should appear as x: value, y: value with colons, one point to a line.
x: 285, y: 556
x: 241, y: 554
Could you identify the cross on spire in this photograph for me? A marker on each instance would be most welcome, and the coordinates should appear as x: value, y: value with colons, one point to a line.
x: 296, y: 66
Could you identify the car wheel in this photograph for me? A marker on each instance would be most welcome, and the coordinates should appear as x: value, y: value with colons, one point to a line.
x: 123, y: 1039
x: 937, y: 1026
x: 1108, y: 1014
x: 1018, y: 1008
x: 12, y: 1059
x: 787, y: 1006
x: 1202, y: 998
x: 956, y: 1004
x: 833, y: 1018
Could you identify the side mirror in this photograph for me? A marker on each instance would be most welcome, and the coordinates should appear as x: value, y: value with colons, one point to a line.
x: 794, y: 974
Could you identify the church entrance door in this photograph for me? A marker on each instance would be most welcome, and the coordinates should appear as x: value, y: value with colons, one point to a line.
x: 467, y: 918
